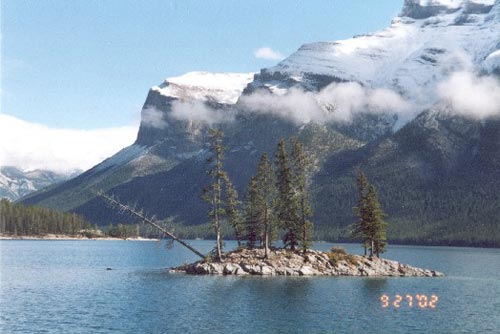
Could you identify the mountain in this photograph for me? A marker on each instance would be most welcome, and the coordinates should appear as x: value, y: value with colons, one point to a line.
x: 15, y: 183
x: 421, y: 47
x: 395, y: 103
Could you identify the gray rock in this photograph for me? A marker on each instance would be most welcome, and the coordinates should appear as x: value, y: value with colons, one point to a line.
x: 230, y: 269
x: 266, y: 270
x: 310, y: 258
x: 202, y: 269
x: 240, y: 272
x: 307, y: 271
x: 216, y: 268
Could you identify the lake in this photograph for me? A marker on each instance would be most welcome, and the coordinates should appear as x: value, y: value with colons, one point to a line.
x: 64, y: 287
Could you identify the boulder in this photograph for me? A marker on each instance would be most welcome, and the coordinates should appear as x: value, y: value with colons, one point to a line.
x: 266, y: 270
x: 230, y: 269
x: 307, y: 271
x: 240, y: 272
x: 216, y: 268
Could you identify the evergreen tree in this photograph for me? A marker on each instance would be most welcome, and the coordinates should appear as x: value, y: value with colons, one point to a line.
x: 233, y: 211
x: 371, y: 227
x: 377, y: 225
x: 300, y: 165
x: 251, y: 213
x: 266, y: 193
x: 360, y: 228
x: 213, y: 193
x: 286, y: 201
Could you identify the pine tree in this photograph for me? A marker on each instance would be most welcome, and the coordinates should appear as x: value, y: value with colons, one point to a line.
x: 233, y: 210
x: 213, y: 193
x: 370, y: 227
x: 300, y: 165
x: 286, y: 205
x: 360, y: 228
x: 251, y: 214
x: 266, y: 193
x: 377, y: 225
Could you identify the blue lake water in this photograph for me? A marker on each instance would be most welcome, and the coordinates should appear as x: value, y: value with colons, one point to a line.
x: 64, y: 287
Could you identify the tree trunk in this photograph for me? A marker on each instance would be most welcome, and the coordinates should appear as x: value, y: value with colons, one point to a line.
x: 304, y: 227
x: 217, y: 230
x: 217, y: 195
x: 126, y: 208
x: 266, y: 234
x: 219, y: 248
x: 371, y: 248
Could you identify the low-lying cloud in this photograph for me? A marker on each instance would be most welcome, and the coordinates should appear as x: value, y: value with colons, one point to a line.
x: 195, y: 110
x: 296, y: 105
x: 471, y: 95
x: 351, y: 98
x: 336, y: 102
x: 153, y: 117
x: 30, y: 146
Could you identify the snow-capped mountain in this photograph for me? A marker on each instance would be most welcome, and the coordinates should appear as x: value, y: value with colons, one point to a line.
x: 436, y: 152
x: 421, y: 47
x: 15, y: 183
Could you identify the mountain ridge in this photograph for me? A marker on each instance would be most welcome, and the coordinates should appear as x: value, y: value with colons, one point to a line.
x: 16, y: 183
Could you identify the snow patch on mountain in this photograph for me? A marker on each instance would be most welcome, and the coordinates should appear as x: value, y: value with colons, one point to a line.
x: 451, y: 3
x: 223, y: 88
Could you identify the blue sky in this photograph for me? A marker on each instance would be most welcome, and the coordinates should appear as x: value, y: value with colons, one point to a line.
x: 87, y: 65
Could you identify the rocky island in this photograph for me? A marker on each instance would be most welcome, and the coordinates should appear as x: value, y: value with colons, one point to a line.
x: 311, y: 263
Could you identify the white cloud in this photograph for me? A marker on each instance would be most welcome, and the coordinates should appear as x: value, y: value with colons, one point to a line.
x: 350, y: 98
x: 153, y: 117
x: 471, y: 95
x: 31, y: 146
x: 346, y: 99
x: 195, y: 110
x: 267, y: 53
x: 296, y: 105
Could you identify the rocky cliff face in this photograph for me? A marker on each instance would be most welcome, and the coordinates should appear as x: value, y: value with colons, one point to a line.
x: 373, y: 102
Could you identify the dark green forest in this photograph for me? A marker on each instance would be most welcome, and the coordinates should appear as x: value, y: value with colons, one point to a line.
x: 20, y: 220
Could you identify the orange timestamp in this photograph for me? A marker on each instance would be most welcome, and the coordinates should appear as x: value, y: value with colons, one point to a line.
x: 418, y: 301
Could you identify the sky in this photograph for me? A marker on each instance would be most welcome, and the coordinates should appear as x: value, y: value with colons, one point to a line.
x: 81, y: 69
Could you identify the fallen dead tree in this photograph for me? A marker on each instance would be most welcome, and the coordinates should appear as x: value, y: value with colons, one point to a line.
x: 150, y: 221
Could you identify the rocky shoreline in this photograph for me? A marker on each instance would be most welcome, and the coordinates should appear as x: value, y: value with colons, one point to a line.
x: 313, y: 263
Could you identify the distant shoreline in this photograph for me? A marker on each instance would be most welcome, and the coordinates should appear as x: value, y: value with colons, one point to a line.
x: 69, y: 237
x: 393, y: 243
